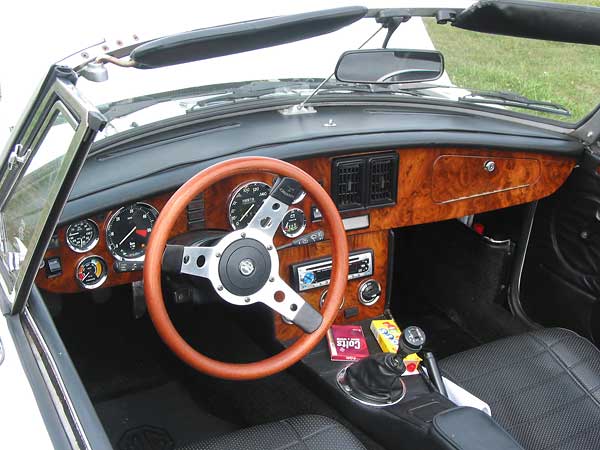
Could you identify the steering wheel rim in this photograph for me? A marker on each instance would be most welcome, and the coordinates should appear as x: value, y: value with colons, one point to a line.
x: 158, y: 241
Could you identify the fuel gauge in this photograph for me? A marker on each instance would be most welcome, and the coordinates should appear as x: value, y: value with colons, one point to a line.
x: 91, y: 272
x: 293, y: 223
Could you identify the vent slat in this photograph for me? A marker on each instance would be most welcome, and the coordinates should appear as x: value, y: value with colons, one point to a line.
x: 364, y: 181
x: 348, y: 179
x: 383, y: 180
x: 195, y: 213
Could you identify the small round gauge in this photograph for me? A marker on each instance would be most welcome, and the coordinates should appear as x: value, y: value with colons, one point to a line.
x: 82, y: 236
x: 245, y: 201
x: 293, y: 223
x: 128, y: 230
x: 91, y: 272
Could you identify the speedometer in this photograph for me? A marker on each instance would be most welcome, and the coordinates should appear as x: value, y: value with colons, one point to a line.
x: 245, y: 201
x: 128, y: 230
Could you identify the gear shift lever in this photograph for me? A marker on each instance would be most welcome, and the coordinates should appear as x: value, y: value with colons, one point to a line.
x: 377, y: 379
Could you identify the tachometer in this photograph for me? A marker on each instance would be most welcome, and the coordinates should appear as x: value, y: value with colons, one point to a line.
x: 91, y: 272
x: 82, y: 236
x: 245, y: 201
x: 128, y: 231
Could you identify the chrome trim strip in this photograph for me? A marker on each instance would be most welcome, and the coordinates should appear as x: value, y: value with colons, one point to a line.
x: 55, y: 384
x: 345, y: 387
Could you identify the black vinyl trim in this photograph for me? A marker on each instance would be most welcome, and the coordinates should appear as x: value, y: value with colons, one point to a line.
x: 548, y: 21
x: 86, y: 413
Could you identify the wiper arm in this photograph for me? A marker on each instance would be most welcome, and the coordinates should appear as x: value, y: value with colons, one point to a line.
x: 121, y: 108
x: 513, y: 100
x: 261, y: 89
x: 250, y: 91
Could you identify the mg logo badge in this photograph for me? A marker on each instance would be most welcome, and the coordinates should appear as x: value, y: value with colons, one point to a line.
x: 247, y: 267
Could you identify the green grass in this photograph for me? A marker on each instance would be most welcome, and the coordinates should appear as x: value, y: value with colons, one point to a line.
x: 562, y: 73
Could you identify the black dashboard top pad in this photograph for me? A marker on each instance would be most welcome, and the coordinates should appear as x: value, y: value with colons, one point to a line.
x: 173, y: 158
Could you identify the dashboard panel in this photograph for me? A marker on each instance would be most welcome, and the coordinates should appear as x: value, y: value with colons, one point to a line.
x: 429, y: 185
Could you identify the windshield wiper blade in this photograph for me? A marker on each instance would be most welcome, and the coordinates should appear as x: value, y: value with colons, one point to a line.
x: 251, y: 91
x: 513, y: 100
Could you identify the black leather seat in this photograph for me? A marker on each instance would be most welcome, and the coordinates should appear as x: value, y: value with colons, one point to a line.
x: 295, y: 433
x: 542, y: 387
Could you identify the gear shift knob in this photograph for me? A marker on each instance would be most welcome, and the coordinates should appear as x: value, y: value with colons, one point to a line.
x: 411, y: 341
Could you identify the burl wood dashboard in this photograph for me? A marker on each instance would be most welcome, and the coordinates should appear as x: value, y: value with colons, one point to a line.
x: 433, y: 184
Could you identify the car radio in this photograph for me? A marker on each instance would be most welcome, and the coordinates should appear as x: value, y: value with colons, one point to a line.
x: 317, y: 273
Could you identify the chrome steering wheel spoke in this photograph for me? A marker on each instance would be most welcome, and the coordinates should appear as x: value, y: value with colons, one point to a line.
x: 243, y: 266
x: 269, y: 216
x: 274, y: 208
x: 281, y: 298
x: 188, y: 260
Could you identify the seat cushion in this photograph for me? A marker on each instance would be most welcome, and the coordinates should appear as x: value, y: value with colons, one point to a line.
x: 543, y: 387
x: 295, y: 433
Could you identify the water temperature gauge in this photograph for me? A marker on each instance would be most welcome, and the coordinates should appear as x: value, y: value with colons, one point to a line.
x: 91, y: 272
x: 293, y: 223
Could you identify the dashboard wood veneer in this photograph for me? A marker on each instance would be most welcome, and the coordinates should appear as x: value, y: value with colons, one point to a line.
x: 457, y: 177
x: 66, y: 281
x: 433, y: 184
x: 378, y: 242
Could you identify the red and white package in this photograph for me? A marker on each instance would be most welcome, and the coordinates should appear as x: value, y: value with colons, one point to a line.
x: 347, y: 343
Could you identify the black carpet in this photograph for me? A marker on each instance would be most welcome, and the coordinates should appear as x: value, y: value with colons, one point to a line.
x: 162, y: 418
x: 147, y: 398
x: 444, y: 336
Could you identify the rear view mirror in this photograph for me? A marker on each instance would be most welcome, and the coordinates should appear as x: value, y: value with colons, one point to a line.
x: 389, y: 66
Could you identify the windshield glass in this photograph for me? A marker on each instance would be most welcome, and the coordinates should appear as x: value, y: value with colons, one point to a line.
x: 25, y: 212
x: 562, y: 78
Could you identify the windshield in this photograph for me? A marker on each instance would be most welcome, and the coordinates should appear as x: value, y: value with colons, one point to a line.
x: 563, y: 75
x: 25, y: 212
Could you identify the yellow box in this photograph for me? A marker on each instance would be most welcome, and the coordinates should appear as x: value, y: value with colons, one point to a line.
x: 388, y: 335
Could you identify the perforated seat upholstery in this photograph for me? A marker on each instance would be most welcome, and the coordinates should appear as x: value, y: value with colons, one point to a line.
x: 543, y: 387
x: 295, y: 433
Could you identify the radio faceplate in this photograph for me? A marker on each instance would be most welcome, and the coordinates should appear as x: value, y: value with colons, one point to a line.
x: 317, y: 273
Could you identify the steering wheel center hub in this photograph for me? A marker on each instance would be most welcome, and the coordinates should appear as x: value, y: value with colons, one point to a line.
x: 244, y: 267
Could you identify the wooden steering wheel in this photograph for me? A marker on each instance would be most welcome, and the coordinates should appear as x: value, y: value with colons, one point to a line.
x: 243, y: 266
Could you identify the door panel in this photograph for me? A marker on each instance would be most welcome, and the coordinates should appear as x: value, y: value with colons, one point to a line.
x: 561, y: 276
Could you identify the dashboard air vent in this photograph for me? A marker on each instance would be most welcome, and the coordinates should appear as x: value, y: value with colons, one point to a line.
x: 364, y: 181
x: 195, y: 213
x: 348, y: 183
x: 383, y: 180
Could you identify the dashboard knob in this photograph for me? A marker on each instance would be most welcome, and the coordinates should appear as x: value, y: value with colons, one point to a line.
x: 369, y: 292
x: 324, y: 296
x: 308, y: 278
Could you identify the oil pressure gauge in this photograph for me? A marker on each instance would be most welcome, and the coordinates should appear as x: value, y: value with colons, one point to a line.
x: 91, y: 272
x: 293, y: 223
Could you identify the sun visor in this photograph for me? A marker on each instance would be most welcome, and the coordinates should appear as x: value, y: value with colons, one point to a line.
x: 242, y: 37
x: 531, y: 19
